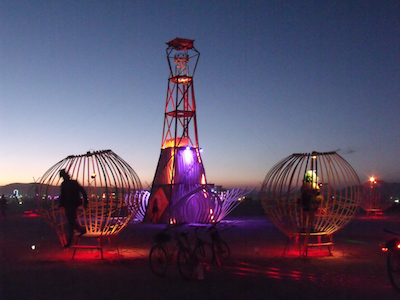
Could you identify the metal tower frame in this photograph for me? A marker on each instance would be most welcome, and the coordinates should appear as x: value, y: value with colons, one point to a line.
x: 180, y: 125
x: 180, y: 193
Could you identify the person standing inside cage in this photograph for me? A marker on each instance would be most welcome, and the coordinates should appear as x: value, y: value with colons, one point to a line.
x: 310, y: 200
x: 70, y: 200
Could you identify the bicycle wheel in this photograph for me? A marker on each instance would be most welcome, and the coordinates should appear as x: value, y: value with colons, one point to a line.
x: 393, y: 266
x: 223, y: 250
x: 158, y: 260
x: 186, y: 264
x: 204, y: 253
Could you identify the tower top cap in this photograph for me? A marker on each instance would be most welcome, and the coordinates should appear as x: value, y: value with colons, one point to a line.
x: 181, y: 44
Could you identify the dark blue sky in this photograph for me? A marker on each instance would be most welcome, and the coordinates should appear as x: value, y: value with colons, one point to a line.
x: 274, y: 78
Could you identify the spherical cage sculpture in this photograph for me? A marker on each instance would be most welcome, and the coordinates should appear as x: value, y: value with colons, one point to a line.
x: 334, y: 180
x: 112, y: 187
x: 375, y: 196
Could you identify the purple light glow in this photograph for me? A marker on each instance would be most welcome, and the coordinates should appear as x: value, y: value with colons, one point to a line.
x: 188, y: 155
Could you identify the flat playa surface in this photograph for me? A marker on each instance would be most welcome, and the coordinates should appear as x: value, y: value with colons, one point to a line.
x: 257, y: 268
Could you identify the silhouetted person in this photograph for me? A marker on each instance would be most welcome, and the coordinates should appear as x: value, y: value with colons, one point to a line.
x: 310, y: 200
x: 70, y: 200
x: 3, y: 205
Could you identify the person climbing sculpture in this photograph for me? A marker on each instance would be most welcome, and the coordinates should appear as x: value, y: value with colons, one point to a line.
x: 310, y: 200
x: 70, y: 200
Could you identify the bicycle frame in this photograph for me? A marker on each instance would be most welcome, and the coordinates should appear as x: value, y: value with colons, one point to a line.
x: 167, y: 243
x: 191, y: 255
x: 219, y: 247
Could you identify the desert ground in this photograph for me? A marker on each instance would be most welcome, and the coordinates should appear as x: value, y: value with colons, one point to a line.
x: 35, y: 266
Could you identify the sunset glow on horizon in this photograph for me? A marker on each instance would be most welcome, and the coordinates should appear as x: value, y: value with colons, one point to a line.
x: 274, y: 78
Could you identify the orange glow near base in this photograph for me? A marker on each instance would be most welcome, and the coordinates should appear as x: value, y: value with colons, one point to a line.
x: 203, y: 179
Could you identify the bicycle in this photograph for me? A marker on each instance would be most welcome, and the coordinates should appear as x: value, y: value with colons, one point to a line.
x: 193, y: 258
x: 392, y: 247
x: 202, y: 249
x: 162, y: 253
x: 219, y: 247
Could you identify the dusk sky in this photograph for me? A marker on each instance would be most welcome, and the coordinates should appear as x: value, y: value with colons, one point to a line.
x: 274, y: 78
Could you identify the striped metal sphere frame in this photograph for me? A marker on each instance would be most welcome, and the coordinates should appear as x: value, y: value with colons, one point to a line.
x: 112, y: 186
x: 338, y: 183
x: 375, y: 196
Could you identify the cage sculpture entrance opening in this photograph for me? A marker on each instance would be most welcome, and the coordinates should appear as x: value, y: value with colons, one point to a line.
x: 113, y: 190
x: 335, y: 199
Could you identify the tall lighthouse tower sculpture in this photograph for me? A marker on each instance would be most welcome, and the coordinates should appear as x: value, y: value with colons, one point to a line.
x: 180, y: 192
x: 176, y: 194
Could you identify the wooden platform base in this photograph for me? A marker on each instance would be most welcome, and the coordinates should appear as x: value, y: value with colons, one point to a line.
x: 376, y: 211
x: 305, y: 240
x: 99, y: 246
